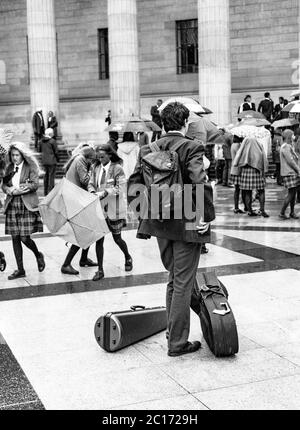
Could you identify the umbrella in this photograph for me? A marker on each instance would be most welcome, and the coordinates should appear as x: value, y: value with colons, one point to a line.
x: 293, y: 107
x: 192, y: 104
x: 257, y: 122
x: 6, y: 136
x: 203, y: 129
x: 286, y: 122
x: 73, y: 214
x: 261, y: 134
x: 134, y: 124
x: 250, y: 114
x: 295, y: 93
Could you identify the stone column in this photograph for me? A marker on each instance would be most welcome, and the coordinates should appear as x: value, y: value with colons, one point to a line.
x: 43, y: 69
x: 123, y: 59
x: 214, y: 58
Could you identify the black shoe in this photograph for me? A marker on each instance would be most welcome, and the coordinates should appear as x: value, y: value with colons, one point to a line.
x: 263, y: 214
x: 98, y: 275
x: 294, y: 216
x: 41, y: 262
x: 204, y: 250
x: 2, y: 262
x: 283, y: 216
x: 128, y: 265
x: 187, y: 349
x: 238, y: 211
x: 17, y: 274
x: 252, y: 213
x: 87, y: 263
x: 69, y: 270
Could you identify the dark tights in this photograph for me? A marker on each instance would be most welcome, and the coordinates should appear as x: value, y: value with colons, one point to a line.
x: 72, y: 252
x: 100, y: 250
x: 290, y: 200
x: 261, y: 198
x: 18, y: 251
x: 236, y: 197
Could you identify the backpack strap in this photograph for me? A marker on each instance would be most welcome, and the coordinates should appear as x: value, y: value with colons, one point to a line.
x: 155, y: 147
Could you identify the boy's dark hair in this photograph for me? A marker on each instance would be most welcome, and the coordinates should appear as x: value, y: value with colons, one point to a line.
x: 128, y: 136
x: 267, y: 94
x: 114, y: 135
x: 247, y: 96
x: 237, y: 139
x: 174, y: 116
x: 281, y: 98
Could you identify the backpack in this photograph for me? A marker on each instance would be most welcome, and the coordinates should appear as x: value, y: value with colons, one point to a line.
x: 163, y: 180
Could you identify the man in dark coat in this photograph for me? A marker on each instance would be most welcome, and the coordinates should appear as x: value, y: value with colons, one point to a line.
x: 157, y: 119
x: 38, y: 126
x: 266, y: 107
x: 113, y: 139
x: 179, y: 240
x: 227, y: 157
x: 49, y: 159
x: 52, y: 123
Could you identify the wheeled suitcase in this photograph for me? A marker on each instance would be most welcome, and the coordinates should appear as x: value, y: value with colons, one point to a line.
x: 218, y: 324
x: 115, y: 330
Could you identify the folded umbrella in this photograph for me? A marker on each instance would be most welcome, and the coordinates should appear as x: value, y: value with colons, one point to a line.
x: 73, y: 214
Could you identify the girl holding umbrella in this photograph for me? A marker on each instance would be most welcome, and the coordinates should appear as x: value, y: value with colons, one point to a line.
x: 252, y: 161
x: 107, y: 180
x: 22, y: 218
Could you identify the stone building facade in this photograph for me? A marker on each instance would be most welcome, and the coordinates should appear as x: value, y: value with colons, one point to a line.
x: 263, y: 49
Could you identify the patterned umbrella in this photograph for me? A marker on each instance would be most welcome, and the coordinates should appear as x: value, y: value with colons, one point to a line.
x: 260, y: 133
x: 250, y: 114
x: 6, y: 136
x: 257, y: 122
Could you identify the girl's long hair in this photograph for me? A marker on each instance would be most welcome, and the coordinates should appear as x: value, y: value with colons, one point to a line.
x: 26, y: 153
x: 85, y: 150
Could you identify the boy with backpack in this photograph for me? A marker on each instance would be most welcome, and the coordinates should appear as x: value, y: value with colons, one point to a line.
x: 174, y: 158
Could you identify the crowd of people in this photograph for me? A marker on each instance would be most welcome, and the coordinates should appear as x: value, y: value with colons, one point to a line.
x: 116, y: 166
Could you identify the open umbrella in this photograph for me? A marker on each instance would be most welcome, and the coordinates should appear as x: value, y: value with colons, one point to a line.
x: 293, y: 107
x: 251, y: 114
x: 286, y: 122
x: 134, y: 124
x: 295, y: 93
x: 73, y: 214
x: 203, y: 129
x: 6, y: 136
x: 256, y: 122
x: 261, y: 134
x: 190, y: 103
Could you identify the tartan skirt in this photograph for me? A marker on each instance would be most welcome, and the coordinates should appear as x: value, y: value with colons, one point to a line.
x: 115, y: 226
x: 251, y: 179
x: 19, y: 221
x: 235, y: 179
x: 291, y: 181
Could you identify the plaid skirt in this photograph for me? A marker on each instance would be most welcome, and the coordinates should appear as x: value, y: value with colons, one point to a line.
x: 251, y: 179
x: 291, y: 181
x: 115, y: 226
x: 19, y: 221
x: 235, y: 179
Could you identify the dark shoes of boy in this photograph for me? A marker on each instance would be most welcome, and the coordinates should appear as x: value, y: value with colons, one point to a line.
x: 294, y: 216
x: 283, y: 216
x: 238, y: 211
x: 187, y: 349
x: 263, y: 214
x: 41, y: 262
x: 88, y: 263
x: 69, y: 270
x: 98, y: 275
x: 128, y: 264
x: 17, y: 274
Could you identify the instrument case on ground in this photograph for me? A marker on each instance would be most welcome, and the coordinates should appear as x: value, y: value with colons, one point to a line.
x: 115, y: 330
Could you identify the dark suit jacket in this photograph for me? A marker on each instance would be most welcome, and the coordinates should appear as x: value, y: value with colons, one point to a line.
x: 53, y: 124
x: 155, y: 115
x: 29, y: 177
x: 246, y: 107
x: 38, y: 124
x: 266, y: 107
x: 190, y: 155
x: 49, y: 151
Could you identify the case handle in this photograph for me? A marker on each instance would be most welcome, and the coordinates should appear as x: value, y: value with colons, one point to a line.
x: 134, y: 308
x: 222, y: 312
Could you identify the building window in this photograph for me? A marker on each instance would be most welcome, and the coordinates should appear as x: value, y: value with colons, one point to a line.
x: 103, y: 53
x: 187, y: 46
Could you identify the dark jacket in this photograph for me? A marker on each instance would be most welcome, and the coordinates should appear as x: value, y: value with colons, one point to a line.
x: 29, y: 177
x: 266, y: 107
x: 113, y: 143
x: 246, y: 106
x: 52, y: 123
x: 190, y: 155
x: 38, y: 124
x: 276, y: 144
x: 156, y: 116
x: 49, y: 151
x: 227, y: 146
x: 78, y: 172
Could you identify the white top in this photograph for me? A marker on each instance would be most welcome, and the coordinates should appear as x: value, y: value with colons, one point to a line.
x: 17, y: 176
x: 103, y: 168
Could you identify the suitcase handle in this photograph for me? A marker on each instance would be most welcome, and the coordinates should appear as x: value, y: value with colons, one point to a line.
x: 222, y: 312
x: 134, y: 308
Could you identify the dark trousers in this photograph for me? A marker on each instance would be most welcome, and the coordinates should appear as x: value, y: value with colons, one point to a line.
x: 277, y: 173
x: 181, y: 259
x: 37, y: 143
x: 219, y: 169
x: 155, y: 136
x: 226, y: 171
x: 49, y: 178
